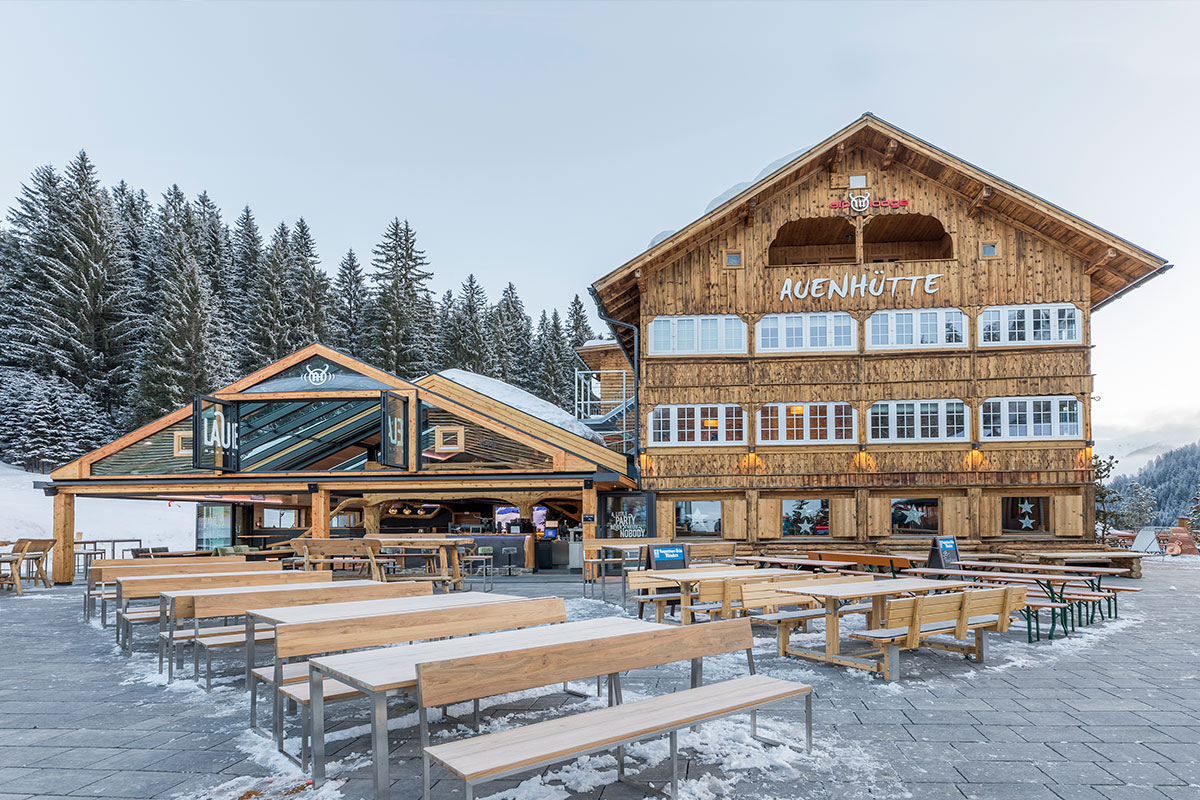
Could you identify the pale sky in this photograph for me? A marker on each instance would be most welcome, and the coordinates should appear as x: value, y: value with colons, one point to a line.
x: 545, y: 143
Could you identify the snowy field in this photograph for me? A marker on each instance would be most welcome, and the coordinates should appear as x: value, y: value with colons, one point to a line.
x: 26, y: 512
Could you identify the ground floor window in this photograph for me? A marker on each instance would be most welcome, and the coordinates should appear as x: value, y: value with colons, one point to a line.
x: 805, y: 517
x: 697, y: 517
x: 214, y: 526
x: 281, y: 518
x: 1025, y: 514
x: 915, y: 516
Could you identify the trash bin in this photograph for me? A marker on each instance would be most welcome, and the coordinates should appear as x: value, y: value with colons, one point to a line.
x: 543, y: 551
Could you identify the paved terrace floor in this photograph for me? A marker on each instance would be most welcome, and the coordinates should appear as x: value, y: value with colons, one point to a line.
x: 1113, y: 713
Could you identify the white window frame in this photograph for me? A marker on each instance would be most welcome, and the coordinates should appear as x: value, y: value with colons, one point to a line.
x: 809, y: 321
x: 891, y: 316
x: 1010, y: 410
x: 673, y: 431
x: 725, y: 324
x: 942, y: 407
x: 805, y: 430
x: 1027, y: 317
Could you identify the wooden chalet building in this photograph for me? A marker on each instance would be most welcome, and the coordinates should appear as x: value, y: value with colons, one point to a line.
x: 874, y: 343
x: 321, y: 443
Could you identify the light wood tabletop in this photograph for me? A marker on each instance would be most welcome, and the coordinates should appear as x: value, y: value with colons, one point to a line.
x: 686, y: 578
x: 797, y: 561
x: 1004, y: 565
x: 368, y: 608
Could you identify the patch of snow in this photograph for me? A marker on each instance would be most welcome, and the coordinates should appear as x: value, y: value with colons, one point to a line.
x: 598, y: 342
x: 660, y: 237
x: 28, y: 512
x: 522, y: 401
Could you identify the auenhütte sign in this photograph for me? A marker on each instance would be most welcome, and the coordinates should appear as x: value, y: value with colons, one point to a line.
x: 875, y: 284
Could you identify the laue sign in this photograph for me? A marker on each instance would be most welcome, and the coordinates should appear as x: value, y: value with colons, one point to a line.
x: 875, y: 284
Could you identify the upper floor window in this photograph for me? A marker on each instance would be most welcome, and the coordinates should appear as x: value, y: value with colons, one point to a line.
x: 1006, y: 418
x: 807, y: 423
x: 934, y: 327
x: 1056, y: 323
x: 698, y: 425
x: 806, y: 333
x: 918, y: 421
x: 697, y: 335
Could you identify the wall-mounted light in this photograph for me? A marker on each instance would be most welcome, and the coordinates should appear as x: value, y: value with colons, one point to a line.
x: 1090, y: 443
x: 312, y: 487
x: 862, y: 448
x: 974, y: 445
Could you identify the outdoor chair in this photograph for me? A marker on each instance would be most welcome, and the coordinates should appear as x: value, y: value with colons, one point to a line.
x: 479, y: 561
x: 84, y: 555
x: 13, y: 559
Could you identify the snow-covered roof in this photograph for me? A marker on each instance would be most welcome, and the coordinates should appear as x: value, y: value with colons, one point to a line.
x: 522, y: 401
x: 598, y: 342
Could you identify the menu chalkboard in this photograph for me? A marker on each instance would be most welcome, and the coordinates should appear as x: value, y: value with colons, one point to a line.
x: 666, y: 556
x: 943, y: 552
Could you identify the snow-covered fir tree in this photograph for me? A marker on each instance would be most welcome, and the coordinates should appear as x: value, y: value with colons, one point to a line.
x: 311, y: 290
x: 512, y: 337
x: 1139, y: 507
x: 351, y: 298
x: 269, y: 335
x: 247, y: 253
x: 212, y: 247
x: 402, y: 314
x: 579, y: 330
x: 1193, y: 513
x: 556, y: 369
x: 471, y: 339
x: 446, y: 311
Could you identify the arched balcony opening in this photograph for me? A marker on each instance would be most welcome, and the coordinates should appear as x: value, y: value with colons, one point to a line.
x: 905, y: 237
x: 823, y: 240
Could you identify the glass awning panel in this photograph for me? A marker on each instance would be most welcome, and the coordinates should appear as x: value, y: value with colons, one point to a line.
x: 288, y: 436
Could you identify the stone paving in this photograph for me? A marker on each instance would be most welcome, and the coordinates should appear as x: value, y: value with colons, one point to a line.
x: 1113, y: 713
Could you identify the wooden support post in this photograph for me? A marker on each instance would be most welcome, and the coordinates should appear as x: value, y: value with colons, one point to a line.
x: 862, y: 514
x: 371, y: 516
x: 319, y: 514
x: 64, y: 537
x: 589, y: 528
x: 974, y: 512
x: 752, y: 513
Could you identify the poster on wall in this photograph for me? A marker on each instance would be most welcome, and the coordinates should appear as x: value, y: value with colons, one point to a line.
x: 215, y: 430
x: 393, y: 433
x: 625, y: 515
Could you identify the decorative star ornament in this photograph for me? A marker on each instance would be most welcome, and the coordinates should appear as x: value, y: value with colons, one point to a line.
x: 1025, y: 507
x: 1026, y: 523
x: 913, y: 515
x: 806, y: 527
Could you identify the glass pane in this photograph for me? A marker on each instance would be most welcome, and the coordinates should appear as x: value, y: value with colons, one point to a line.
x: 316, y: 374
x: 880, y: 422
x: 768, y: 331
x: 818, y: 335
x: 954, y: 327
x: 929, y: 327
x: 697, y: 516
x: 1016, y: 326
x: 710, y: 423
x: 662, y: 336
x: 769, y: 424
x: 795, y: 424
x: 843, y: 335
x: 216, y: 435
x: 708, y: 335
x: 793, y: 332
x: 1043, y: 418
x: 1025, y: 514
x: 805, y: 517
x: 733, y: 424
x: 1018, y: 418
x: 906, y: 422
x: 929, y: 420
x: 1068, y: 417
x: 685, y: 335
x: 879, y: 329
x: 991, y: 326
x: 660, y: 425
x: 991, y: 420
x: 904, y: 328
x: 818, y: 423
x: 1066, y: 325
x: 393, y: 449
x: 1041, y: 324
x: 915, y: 516
x: 843, y: 422
x: 685, y: 424
x: 733, y: 334
x: 956, y: 420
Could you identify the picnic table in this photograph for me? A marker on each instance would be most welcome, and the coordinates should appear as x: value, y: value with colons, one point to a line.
x: 1133, y: 559
x: 821, y: 565
x: 112, y: 543
x: 688, y: 578
x: 442, y: 549
x: 389, y: 671
x: 833, y: 594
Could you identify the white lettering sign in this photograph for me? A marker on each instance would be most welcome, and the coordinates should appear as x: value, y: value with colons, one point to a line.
x: 627, y: 526
x: 875, y: 284
x: 219, y: 433
x: 318, y: 377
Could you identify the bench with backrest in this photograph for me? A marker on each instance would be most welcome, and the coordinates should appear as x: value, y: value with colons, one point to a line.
x: 302, y: 640
x: 101, y: 577
x: 711, y: 552
x: 32, y: 552
x: 769, y: 600
x: 722, y: 598
x: 491, y: 756
x: 650, y: 590
x: 911, y: 622
x: 872, y: 562
x: 360, y: 555
x: 132, y: 588
x: 238, y: 604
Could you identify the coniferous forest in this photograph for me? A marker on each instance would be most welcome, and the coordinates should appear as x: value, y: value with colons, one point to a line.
x: 117, y: 308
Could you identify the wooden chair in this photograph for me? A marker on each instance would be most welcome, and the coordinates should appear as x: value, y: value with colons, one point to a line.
x: 910, y: 622
x: 491, y: 756
x: 37, y: 553
x: 13, y: 559
x: 768, y: 599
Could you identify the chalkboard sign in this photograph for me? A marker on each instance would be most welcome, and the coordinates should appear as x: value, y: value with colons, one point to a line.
x: 589, y: 517
x: 666, y: 556
x: 943, y: 552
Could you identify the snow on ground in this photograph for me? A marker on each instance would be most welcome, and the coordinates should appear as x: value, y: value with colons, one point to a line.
x: 27, y: 513
x: 522, y: 401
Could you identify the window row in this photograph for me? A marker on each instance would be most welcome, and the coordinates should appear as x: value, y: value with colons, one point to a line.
x: 893, y: 329
x: 889, y: 421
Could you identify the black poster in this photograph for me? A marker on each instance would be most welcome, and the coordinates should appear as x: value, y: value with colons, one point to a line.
x: 215, y: 431
x: 943, y: 552
x: 393, y: 433
x: 666, y: 556
x: 625, y: 515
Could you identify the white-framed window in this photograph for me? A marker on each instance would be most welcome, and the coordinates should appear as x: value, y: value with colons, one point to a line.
x: 807, y: 423
x: 1052, y: 323
x: 811, y: 332
x: 697, y: 335
x: 858, y: 181
x: 700, y: 424
x: 918, y: 421
x: 897, y: 329
x: 1014, y: 418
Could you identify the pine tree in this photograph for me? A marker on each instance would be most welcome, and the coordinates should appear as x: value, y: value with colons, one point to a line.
x: 247, y: 254
x: 579, y: 330
x: 556, y: 370
x: 471, y: 342
x: 1108, y: 499
x: 212, y: 247
x: 402, y: 319
x: 1139, y: 507
x: 512, y: 337
x: 349, y: 307
x: 269, y: 337
x: 310, y: 289
x: 1193, y: 514
x: 446, y: 313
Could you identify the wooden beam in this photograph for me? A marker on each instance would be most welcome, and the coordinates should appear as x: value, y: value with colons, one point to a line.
x: 889, y: 155
x: 64, y: 538
x: 319, y: 514
x: 985, y: 195
x: 839, y: 155
x: 1103, y: 262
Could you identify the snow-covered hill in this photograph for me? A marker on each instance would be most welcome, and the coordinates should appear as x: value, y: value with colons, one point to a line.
x: 26, y: 512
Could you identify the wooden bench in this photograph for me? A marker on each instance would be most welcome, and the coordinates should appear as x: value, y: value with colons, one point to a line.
x: 768, y: 598
x: 361, y: 555
x: 492, y: 756
x: 305, y: 639
x: 34, y: 552
x: 910, y: 622
x: 722, y: 599
x: 711, y: 552
x: 872, y: 561
x: 104, y: 571
x: 659, y: 593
